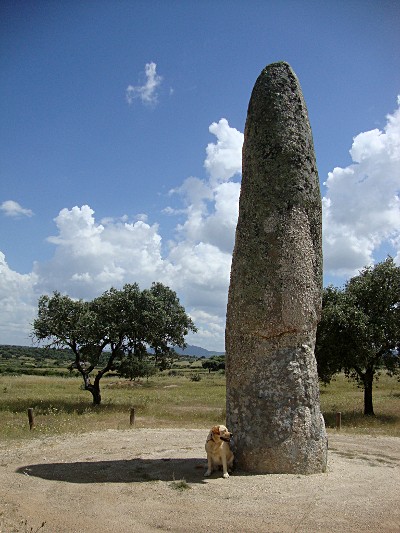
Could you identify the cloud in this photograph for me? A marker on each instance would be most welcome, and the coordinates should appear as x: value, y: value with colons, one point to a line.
x: 147, y: 92
x: 90, y: 257
x: 224, y: 159
x: 18, y: 304
x: 210, y: 326
x: 212, y: 204
x: 361, y: 207
x: 14, y: 209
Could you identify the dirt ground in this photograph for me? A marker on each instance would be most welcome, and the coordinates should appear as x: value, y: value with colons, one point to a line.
x: 128, y: 481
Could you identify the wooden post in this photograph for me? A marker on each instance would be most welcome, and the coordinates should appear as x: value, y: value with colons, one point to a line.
x: 338, y: 420
x: 132, y: 417
x: 31, y: 418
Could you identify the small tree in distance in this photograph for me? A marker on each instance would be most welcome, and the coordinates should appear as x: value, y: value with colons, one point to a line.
x: 215, y: 363
x: 359, y: 331
x: 119, y: 322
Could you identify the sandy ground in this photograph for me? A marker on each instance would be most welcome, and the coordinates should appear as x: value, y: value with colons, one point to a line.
x: 123, y: 481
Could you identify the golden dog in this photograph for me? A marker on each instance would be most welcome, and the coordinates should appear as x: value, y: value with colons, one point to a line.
x: 219, y: 453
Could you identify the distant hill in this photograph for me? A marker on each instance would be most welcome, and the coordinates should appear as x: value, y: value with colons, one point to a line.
x: 196, y: 351
x: 7, y: 351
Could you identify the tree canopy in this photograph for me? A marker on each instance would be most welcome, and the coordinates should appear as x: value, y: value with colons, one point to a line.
x: 217, y: 362
x: 359, y: 331
x: 118, y: 324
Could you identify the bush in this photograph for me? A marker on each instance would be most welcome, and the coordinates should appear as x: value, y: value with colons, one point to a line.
x: 174, y: 373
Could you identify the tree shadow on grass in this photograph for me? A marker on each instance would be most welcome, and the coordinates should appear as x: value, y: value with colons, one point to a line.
x: 120, y: 471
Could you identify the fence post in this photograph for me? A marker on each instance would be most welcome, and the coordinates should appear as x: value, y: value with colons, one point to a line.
x: 31, y: 418
x: 338, y: 420
x: 132, y: 417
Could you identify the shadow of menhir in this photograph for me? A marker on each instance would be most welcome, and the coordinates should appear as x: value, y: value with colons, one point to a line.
x: 120, y: 471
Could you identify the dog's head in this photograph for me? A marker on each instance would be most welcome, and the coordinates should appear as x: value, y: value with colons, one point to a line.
x: 219, y: 433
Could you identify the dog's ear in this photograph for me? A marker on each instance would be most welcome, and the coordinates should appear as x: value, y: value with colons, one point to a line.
x: 215, y: 429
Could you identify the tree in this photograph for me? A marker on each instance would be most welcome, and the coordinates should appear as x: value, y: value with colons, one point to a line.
x: 132, y: 367
x: 210, y: 365
x: 104, y: 331
x: 359, y: 331
x: 165, y: 322
x: 215, y: 363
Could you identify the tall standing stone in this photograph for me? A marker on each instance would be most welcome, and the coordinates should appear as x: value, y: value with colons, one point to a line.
x: 275, y: 289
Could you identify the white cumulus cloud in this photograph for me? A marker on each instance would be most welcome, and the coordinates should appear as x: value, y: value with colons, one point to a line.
x: 212, y: 204
x: 362, y: 204
x: 200, y: 259
x: 18, y: 304
x: 13, y: 209
x: 91, y: 257
x: 224, y: 158
x: 147, y: 92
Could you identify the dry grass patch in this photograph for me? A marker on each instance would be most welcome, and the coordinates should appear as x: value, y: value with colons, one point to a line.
x: 61, y: 406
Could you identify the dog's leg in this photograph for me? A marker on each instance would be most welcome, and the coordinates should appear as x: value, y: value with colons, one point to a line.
x: 210, y: 466
x: 224, y: 466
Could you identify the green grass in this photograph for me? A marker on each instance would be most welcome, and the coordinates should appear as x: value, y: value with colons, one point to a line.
x: 180, y: 485
x: 61, y: 406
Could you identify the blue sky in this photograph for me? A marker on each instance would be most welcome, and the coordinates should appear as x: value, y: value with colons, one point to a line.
x: 120, y: 138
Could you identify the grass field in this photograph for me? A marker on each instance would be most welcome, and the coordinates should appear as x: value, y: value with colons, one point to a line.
x: 61, y: 406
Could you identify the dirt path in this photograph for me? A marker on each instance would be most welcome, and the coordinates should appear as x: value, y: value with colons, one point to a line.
x: 123, y: 481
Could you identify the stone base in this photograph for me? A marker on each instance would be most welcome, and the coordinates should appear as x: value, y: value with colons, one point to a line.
x: 273, y: 410
x: 293, y: 456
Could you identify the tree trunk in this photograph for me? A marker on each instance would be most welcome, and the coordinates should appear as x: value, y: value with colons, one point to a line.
x: 96, y: 395
x: 368, y: 385
x: 95, y: 390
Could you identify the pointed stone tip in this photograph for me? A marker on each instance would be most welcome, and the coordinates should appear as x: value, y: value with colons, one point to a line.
x: 278, y: 68
x: 277, y: 90
x: 279, y: 63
